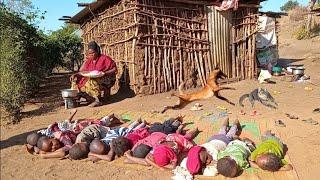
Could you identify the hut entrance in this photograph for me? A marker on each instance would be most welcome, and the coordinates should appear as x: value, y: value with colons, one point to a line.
x: 219, y: 23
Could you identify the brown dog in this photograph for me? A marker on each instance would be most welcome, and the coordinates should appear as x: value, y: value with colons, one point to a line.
x: 210, y: 89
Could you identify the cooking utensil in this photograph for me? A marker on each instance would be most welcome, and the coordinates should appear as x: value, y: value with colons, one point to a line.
x: 298, y: 70
x: 67, y: 93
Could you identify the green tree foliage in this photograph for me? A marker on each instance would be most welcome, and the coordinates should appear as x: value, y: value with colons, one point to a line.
x: 70, y: 43
x: 289, y: 5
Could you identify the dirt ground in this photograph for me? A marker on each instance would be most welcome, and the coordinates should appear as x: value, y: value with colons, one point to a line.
x: 301, y: 138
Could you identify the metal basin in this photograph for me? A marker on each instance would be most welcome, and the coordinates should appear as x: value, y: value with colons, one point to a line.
x: 68, y: 93
x: 298, y: 71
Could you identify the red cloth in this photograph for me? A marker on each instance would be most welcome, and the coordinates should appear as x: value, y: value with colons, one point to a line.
x: 228, y: 4
x: 103, y: 63
x: 184, y: 144
x: 152, y: 140
x: 163, y: 155
x: 137, y: 135
x: 193, y: 161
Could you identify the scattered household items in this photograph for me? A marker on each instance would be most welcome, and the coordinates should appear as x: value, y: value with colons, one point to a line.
x: 196, y: 107
x: 276, y: 71
x: 70, y: 98
x: 213, y: 117
x: 298, y: 71
x: 253, y: 113
x: 264, y: 76
x: 308, y: 88
x: 290, y: 116
x: 279, y: 123
x: 310, y: 121
x: 210, y: 89
x: 92, y: 74
x: 317, y: 110
x: 260, y: 94
x: 276, y: 92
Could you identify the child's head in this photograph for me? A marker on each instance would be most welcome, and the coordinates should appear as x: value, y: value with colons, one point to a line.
x: 198, y: 157
x: 79, y: 151
x: 269, y: 162
x: 164, y: 155
x: 141, y: 151
x: 205, y: 157
x: 227, y: 167
x: 33, y: 138
x: 48, y: 144
x: 98, y: 147
x: 120, y: 145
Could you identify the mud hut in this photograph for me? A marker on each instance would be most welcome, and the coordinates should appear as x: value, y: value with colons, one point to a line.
x: 157, y: 44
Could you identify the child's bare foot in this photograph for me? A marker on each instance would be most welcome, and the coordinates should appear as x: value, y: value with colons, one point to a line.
x: 139, y: 120
x: 226, y: 121
x: 180, y: 118
x: 180, y: 128
x: 236, y: 122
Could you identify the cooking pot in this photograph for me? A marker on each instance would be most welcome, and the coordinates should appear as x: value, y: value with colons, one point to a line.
x: 298, y: 70
x: 67, y: 93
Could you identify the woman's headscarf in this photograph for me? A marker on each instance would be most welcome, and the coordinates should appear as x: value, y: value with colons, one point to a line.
x: 94, y: 46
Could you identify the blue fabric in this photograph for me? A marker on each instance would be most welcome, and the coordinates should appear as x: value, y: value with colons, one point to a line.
x: 114, y: 133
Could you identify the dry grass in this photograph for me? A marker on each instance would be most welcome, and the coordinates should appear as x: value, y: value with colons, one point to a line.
x: 298, y: 14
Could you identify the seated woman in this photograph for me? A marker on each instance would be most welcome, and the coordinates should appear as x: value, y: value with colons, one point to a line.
x: 93, y: 86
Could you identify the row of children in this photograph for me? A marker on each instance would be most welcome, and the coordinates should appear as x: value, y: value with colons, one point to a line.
x: 162, y: 145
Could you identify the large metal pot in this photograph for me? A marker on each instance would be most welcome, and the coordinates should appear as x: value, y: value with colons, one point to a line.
x: 298, y: 70
x: 68, y: 93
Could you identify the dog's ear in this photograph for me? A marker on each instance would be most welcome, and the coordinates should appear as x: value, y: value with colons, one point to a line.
x: 217, y: 67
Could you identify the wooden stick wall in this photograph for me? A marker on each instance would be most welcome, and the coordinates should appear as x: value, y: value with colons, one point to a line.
x: 173, y: 38
x: 161, y: 44
x: 244, y: 28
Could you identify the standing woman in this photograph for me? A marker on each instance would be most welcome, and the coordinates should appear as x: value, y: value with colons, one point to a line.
x: 94, y: 86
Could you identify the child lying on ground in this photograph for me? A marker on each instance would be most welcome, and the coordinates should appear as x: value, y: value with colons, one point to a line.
x: 65, y: 132
x: 201, y: 156
x: 167, y: 127
x: 142, y: 148
x: 115, y: 140
x: 234, y: 158
x: 165, y: 154
x: 269, y: 154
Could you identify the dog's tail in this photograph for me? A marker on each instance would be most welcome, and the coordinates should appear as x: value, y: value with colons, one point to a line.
x: 181, y: 86
x: 243, y: 97
x: 180, y: 89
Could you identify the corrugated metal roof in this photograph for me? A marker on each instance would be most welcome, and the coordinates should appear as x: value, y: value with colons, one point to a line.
x: 87, y: 10
x: 99, y: 3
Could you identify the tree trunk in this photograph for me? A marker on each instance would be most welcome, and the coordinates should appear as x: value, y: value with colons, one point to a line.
x: 309, y: 20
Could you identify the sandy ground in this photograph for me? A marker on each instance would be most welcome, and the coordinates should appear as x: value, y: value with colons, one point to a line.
x: 301, y: 138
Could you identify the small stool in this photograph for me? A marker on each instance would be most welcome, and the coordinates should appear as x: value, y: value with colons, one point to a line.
x: 70, y: 102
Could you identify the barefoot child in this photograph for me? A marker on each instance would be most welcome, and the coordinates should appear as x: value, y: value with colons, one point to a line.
x: 165, y: 155
x: 115, y: 139
x: 269, y: 154
x: 201, y: 156
x: 234, y: 158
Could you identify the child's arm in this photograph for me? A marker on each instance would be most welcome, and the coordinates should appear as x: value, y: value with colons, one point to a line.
x: 108, y: 157
x: 60, y: 153
x: 149, y: 159
x: 287, y: 167
x: 171, y: 166
x: 136, y: 160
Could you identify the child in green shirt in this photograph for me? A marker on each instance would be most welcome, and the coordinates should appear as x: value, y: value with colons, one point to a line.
x: 234, y: 158
x: 269, y: 154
